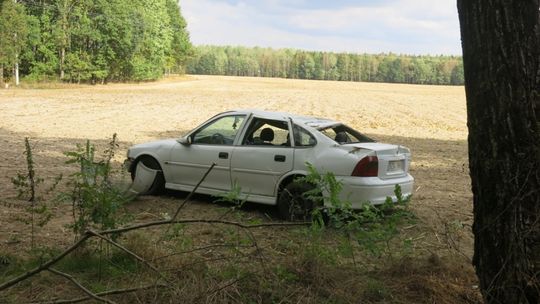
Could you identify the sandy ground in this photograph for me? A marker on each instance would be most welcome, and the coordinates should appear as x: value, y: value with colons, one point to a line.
x: 430, y: 120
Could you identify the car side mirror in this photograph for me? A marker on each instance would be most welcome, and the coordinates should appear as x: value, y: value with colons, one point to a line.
x: 186, y: 140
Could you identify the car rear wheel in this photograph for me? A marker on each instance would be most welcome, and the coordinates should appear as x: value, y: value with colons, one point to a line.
x: 158, y: 185
x: 293, y: 203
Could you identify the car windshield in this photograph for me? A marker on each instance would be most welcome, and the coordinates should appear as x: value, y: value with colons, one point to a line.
x: 343, y: 134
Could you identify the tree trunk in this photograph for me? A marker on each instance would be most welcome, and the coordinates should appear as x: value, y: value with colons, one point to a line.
x: 64, y: 9
x: 62, y: 60
x: 16, y: 70
x: 501, y: 53
x: 2, y: 85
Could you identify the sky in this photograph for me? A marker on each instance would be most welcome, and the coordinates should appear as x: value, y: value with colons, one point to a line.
x: 418, y: 27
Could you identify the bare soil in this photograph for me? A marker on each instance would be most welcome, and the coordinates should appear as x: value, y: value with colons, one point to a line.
x: 430, y: 120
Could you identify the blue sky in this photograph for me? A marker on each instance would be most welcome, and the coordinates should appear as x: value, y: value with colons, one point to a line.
x: 356, y: 26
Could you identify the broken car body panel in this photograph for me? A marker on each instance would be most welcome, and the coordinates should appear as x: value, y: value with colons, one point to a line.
x: 143, y: 180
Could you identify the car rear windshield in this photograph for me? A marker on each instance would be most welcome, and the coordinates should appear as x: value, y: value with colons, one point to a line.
x: 343, y: 134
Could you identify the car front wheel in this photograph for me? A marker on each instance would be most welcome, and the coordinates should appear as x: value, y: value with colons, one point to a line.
x: 294, y: 204
x: 158, y: 184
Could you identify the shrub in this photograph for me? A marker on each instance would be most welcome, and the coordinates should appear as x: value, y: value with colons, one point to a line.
x: 95, y: 199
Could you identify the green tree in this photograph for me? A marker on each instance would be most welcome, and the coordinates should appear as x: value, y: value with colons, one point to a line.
x: 62, y: 30
x: 342, y: 66
x: 13, y: 35
x: 41, y: 52
x: 98, y: 40
x: 306, y: 67
x: 289, y: 63
x: 180, y: 49
x: 421, y: 71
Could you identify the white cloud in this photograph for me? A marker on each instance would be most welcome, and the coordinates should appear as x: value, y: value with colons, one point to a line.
x: 412, y: 26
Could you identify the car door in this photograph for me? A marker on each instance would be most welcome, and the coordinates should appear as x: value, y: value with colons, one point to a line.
x: 211, y: 143
x: 260, y: 159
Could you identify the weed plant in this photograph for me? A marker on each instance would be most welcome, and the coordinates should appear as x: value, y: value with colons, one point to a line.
x: 27, y: 185
x: 95, y: 200
x: 372, y: 228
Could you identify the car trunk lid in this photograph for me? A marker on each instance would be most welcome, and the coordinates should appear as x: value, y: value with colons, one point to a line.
x: 393, y: 160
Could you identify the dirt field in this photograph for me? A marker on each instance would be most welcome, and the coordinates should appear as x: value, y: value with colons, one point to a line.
x: 430, y: 120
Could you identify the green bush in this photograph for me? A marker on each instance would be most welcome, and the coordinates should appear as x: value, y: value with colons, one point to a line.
x: 95, y: 199
x: 372, y: 228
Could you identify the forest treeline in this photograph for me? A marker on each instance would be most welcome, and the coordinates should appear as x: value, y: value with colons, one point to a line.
x: 298, y: 64
x: 97, y: 41
x: 92, y: 40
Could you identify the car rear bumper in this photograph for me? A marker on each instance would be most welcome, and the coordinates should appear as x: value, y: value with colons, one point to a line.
x: 361, y: 190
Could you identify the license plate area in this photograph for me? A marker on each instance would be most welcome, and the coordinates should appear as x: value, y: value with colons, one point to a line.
x: 395, y: 166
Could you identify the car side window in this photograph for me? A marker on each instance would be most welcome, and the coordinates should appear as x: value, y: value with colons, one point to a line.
x: 267, y: 132
x: 221, y: 131
x: 303, y: 138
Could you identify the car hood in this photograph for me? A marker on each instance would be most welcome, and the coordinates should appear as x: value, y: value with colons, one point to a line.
x: 152, y: 146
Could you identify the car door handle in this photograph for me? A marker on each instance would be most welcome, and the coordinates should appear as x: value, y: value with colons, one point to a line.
x: 223, y: 155
x: 279, y: 158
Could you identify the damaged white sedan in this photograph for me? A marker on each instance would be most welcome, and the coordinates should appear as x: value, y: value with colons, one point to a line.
x: 264, y: 153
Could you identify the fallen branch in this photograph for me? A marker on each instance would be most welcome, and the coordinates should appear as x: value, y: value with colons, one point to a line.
x: 105, y: 293
x: 199, y: 249
x: 102, y: 235
x: 44, y: 266
x: 80, y: 286
x: 134, y: 227
x: 191, y: 221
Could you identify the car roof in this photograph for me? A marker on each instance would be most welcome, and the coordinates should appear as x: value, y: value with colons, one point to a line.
x: 314, y: 122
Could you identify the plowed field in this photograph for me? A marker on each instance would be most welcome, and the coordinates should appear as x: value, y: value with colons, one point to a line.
x: 430, y: 120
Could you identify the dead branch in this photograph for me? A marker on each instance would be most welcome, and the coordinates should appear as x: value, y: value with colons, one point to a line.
x: 199, y: 249
x: 87, y: 235
x: 44, y: 266
x: 80, y: 286
x: 200, y: 221
x: 257, y: 248
x: 105, y: 293
x: 189, y: 196
x: 220, y: 288
x: 192, y: 192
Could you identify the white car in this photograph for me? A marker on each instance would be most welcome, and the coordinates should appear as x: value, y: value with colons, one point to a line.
x: 256, y: 151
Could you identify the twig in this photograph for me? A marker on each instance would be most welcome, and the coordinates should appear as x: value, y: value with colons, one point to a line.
x: 199, y: 249
x: 192, y: 192
x: 81, y: 287
x: 189, y: 196
x: 258, y: 250
x: 105, y: 293
x: 189, y: 221
x: 44, y: 266
x: 211, y: 292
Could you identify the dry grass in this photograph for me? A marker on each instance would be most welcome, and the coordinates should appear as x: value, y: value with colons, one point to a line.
x: 431, y: 120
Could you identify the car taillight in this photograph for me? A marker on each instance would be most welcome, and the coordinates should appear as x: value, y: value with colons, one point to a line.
x: 367, y: 166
